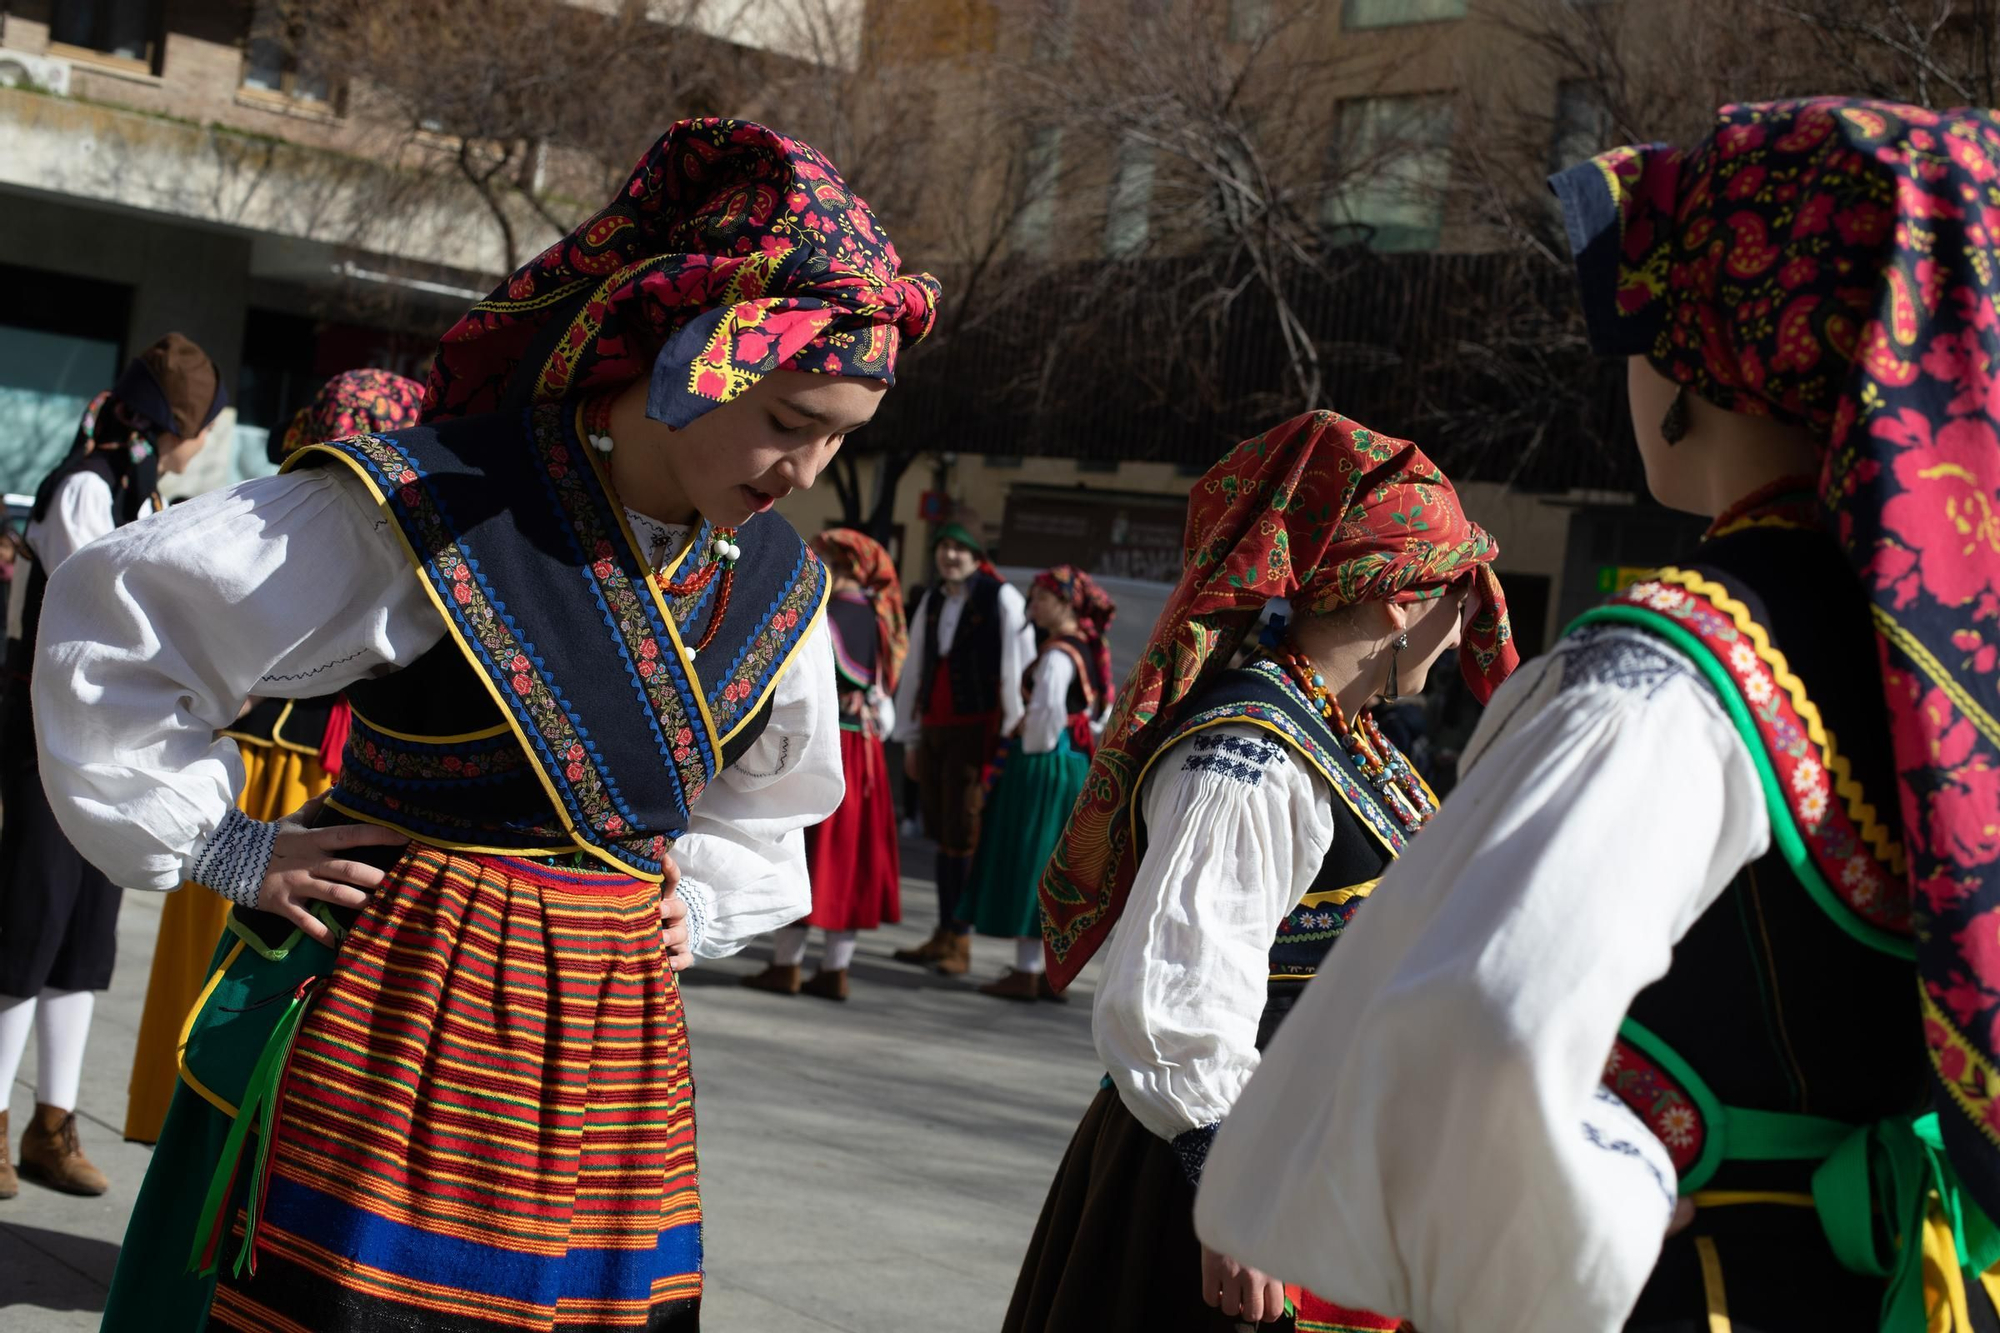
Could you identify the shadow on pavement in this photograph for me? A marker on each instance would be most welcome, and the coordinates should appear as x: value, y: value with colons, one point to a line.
x: 53, y: 1270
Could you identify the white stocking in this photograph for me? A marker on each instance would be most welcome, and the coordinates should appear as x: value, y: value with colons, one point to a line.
x: 1028, y: 954
x: 789, y: 946
x: 839, y: 950
x: 17, y: 1020
x: 61, y: 1029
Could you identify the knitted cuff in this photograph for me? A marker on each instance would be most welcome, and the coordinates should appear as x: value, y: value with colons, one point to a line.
x: 701, y: 909
x: 236, y: 857
x: 1192, y: 1148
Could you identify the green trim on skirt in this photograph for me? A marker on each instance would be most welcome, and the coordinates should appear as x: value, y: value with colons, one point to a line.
x: 1024, y: 818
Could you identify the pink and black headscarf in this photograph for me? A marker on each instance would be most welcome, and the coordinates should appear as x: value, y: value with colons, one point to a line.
x: 1836, y: 264
x: 731, y: 252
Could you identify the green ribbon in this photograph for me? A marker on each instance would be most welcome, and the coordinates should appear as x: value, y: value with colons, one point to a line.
x: 259, y: 1107
x: 1890, y: 1170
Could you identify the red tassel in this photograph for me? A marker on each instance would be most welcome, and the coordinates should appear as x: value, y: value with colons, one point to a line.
x: 334, y: 743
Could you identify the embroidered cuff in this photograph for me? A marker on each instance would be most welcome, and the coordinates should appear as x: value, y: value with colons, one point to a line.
x: 236, y: 857
x: 1192, y: 1148
x: 701, y: 909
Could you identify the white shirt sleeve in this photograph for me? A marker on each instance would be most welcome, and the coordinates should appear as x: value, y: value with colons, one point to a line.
x: 1047, y: 716
x: 78, y: 514
x: 909, y: 719
x: 1237, y: 830
x: 152, y: 638
x: 743, y: 858
x: 1017, y: 651
x: 1426, y: 1137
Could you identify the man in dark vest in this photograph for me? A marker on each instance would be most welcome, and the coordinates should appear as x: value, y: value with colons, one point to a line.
x: 968, y: 635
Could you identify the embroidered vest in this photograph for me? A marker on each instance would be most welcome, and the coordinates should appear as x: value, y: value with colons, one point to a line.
x: 856, y: 643
x: 285, y: 724
x: 974, y: 660
x: 1366, y: 837
x: 561, y: 710
x: 1793, y: 993
x: 1086, y: 690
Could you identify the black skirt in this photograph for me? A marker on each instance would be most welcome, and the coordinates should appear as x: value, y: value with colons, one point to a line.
x: 1115, y: 1248
x: 58, y: 913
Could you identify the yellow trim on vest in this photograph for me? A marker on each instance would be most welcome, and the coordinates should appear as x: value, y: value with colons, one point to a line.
x: 1711, y: 1284
x: 471, y: 657
x: 1888, y: 848
x: 475, y: 849
x: 278, y: 732
x: 213, y: 1098
x: 485, y: 734
x: 1733, y: 1198
x: 1336, y: 897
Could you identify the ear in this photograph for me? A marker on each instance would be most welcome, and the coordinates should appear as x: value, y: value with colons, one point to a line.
x: 1399, y: 616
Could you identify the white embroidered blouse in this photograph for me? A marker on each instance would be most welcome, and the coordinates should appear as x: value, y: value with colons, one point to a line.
x: 293, y: 586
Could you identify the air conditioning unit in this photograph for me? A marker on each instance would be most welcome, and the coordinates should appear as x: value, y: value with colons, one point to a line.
x: 47, y: 73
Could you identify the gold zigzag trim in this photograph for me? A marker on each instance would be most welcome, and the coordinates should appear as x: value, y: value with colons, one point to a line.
x: 1976, y: 1066
x: 1888, y: 847
x: 1922, y: 659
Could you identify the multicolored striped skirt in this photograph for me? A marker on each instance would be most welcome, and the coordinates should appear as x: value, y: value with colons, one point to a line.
x: 486, y: 1120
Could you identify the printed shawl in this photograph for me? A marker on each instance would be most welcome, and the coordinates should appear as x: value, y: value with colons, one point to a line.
x: 1320, y: 510
x: 732, y: 252
x: 1837, y: 263
x: 871, y: 567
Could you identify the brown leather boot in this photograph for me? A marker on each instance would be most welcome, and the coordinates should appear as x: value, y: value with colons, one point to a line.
x: 957, y: 958
x: 1015, y: 985
x: 828, y: 985
x: 930, y: 951
x: 10, y: 1183
x: 52, y: 1153
x: 777, y: 979
x: 1048, y: 992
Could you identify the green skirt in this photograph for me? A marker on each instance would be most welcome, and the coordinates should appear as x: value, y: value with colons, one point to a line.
x: 1024, y: 818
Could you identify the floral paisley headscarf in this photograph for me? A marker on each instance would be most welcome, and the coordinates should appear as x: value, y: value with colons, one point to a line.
x: 1836, y: 263
x: 1094, y: 611
x: 354, y: 402
x: 876, y: 573
x: 731, y: 252
x: 1320, y: 510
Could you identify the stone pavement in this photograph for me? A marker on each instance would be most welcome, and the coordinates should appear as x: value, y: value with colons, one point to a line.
x: 870, y: 1166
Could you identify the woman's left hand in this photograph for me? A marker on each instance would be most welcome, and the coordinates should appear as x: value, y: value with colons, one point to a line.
x: 674, y: 918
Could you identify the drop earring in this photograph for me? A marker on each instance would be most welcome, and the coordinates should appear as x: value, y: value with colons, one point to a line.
x: 1396, y: 647
x: 1674, y: 425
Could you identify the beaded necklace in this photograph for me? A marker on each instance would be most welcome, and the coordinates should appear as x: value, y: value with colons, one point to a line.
x: 1380, y: 762
x: 722, y: 553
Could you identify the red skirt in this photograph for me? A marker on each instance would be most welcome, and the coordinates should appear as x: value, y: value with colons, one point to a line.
x: 853, y: 856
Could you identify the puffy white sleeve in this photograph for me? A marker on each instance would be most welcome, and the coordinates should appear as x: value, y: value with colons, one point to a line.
x: 1237, y: 828
x: 1426, y: 1137
x: 909, y: 718
x: 1047, y: 716
x: 79, y: 513
x: 1017, y: 653
x: 743, y: 858
x: 152, y: 638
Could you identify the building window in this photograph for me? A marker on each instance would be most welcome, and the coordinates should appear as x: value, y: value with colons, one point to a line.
x: 1055, y: 31
x: 1041, y: 169
x: 1249, y: 20
x: 1128, y: 213
x: 1393, y: 162
x: 277, y: 57
x: 1582, y: 124
x: 1395, y: 13
x: 128, y: 29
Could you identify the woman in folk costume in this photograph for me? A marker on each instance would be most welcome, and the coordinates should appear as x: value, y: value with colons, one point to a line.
x: 1232, y: 821
x: 1067, y: 694
x: 853, y: 856
x: 1737, y: 832
x: 584, y: 659
x: 970, y: 642
x: 290, y: 750
x: 58, y: 912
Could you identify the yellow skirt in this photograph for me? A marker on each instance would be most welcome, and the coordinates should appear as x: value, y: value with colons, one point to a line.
x: 276, y: 782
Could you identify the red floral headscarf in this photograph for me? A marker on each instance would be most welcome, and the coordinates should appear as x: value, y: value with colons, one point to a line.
x: 1322, y: 511
x: 354, y: 402
x: 872, y: 568
x: 732, y: 252
x: 1833, y: 263
x: 1094, y: 611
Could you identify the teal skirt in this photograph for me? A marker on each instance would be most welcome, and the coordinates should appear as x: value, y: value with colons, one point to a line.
x: 1024, y: 818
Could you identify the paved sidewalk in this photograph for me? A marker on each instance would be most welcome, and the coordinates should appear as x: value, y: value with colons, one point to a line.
x: 870, y: 1166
